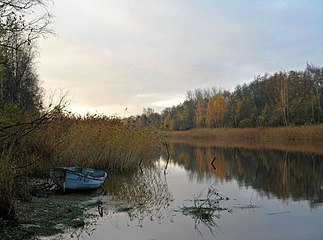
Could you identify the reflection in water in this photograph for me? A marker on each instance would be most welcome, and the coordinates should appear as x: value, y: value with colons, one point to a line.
x: 280, y: 174
x: 143, y: 195
x: 258, y: 181
x: 139, y: 196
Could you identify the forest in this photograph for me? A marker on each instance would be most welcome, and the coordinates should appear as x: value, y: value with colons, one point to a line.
x: 285, y: 98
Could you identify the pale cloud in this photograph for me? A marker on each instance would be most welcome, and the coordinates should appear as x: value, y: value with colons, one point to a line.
x: 169, y: 102
x: 117, y: 54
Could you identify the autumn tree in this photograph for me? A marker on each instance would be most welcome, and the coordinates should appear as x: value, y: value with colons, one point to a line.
x: 314, y: 76
x: 185, y: 116
x: 167, y: 123
x: 220, y: 109
x: 210, y: 113
x: 200, y: 113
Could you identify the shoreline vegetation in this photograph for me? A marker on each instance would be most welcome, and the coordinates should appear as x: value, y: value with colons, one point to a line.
x: 31, y: 145
x: 298, y: 138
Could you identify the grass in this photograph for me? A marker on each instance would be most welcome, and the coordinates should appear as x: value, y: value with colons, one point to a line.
x: 301, y: 138
x: 311, y: 132
x: 99, y: 142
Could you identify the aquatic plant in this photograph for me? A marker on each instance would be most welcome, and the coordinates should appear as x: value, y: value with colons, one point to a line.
x: 204, y: 208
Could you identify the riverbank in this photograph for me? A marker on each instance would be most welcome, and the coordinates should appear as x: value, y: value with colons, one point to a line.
x: 109, y: 144
x: 52, y: 215
x: 300, y: 138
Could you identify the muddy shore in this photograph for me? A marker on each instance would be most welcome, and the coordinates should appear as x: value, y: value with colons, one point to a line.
x: 53, y: 214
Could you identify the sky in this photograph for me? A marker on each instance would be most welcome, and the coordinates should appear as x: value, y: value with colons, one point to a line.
x: 116, y: 57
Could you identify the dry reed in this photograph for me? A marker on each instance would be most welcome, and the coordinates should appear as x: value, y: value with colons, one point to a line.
x: 301, y: 138
x: 99, y: 142
x: 312, y: 132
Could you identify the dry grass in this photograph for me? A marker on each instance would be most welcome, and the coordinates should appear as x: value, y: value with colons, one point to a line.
x: 302, y: 138
x: 313, y: 132
x: 99, y: 142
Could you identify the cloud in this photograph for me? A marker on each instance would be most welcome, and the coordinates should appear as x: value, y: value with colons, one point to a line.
x: 137, y: 54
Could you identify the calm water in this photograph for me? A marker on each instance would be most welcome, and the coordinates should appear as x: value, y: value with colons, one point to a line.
x: 267, y: 195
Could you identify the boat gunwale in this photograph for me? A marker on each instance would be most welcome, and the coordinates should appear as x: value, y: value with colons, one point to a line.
x: 67, y: 169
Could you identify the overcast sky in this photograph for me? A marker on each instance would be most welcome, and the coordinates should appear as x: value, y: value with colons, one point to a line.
x: 116, y: 54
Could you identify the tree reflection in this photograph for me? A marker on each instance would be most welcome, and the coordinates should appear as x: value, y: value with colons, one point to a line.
x: 142, y: 195
x: 281, y: 174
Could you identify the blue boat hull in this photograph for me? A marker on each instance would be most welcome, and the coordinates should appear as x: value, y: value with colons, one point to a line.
x: 73, y: 178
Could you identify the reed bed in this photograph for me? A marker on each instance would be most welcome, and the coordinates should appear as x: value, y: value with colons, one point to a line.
x: 311, y: 132
x: 99, y: 142
x: 308, y: 146
x: 301, y: 139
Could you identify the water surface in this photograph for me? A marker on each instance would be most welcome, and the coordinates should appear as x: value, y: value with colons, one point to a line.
x: 268, y: 195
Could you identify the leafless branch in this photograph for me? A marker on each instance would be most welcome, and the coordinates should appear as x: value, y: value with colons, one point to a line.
x: 13, y: 22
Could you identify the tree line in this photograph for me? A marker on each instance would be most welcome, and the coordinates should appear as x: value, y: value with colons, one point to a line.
x: 285, y: 98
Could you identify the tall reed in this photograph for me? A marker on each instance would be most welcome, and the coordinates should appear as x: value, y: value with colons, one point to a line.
x: 96, y: 141
x: 100, y: 142
x: 310, y: 132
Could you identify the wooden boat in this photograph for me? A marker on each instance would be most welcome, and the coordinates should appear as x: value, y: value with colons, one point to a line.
x: 77, y: 178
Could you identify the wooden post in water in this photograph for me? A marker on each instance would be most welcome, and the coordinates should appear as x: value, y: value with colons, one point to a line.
x: 212, y: 163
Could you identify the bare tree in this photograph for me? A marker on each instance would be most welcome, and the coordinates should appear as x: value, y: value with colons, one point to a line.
x: 18, y: 17
x: 20, y: 84
x: 21, y: 23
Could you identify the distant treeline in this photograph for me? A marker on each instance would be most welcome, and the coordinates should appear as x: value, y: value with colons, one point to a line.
x: 281, y: 99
